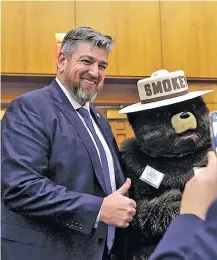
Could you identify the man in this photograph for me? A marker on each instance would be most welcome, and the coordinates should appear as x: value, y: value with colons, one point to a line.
x: 63, y: 188
x: 193, y: 234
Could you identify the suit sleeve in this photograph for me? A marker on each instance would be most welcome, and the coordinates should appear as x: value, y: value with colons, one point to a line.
x: 188, y: 237
x: 178, y: 241
x: 25, y: 159
x: 205, y: 244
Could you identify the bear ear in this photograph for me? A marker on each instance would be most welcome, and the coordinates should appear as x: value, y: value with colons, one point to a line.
x: 201, y: 100
x: 198, y: 102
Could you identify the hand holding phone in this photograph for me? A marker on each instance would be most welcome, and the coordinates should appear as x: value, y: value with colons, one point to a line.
x: 213, y: 129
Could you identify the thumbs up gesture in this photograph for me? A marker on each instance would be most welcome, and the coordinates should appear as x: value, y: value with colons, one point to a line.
x: 118, y: 210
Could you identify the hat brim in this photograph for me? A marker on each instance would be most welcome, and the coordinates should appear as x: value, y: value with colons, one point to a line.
x: 140, y: 107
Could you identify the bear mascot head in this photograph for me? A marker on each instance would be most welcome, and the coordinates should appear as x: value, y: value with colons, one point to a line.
x: 171, y: 142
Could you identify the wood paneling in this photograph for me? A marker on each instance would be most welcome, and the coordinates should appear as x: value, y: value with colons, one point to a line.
x: 150, y: 35
x: 189, y: 37
x: 211, y: 98
x: 2, y: 111
x: 28, y: 34
x: 136, y: 28
x: 121, y: 130
x: 114, y: 114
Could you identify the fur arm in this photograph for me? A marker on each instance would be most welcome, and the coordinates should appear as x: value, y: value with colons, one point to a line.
x: 154, y: 216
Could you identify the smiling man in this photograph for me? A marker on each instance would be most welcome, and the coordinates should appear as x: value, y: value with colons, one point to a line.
x: 83, y: 72
x: 63, y: 188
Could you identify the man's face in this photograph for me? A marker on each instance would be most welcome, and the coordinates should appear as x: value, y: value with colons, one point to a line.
x: 84, y: 72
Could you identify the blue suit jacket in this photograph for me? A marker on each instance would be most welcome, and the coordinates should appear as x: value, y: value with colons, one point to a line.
x: 52, y: 182
x: 188, y: 237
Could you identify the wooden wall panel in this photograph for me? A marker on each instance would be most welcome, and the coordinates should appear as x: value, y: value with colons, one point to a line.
x: 121, y: 129
x: 184, y: 31
x: 136, y: 29
x: 211, y: 98
x: 28, y: 34
x: 13, y: 42
x: 189, y: 37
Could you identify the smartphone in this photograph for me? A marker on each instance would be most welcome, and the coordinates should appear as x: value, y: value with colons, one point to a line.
x: 213, y: 129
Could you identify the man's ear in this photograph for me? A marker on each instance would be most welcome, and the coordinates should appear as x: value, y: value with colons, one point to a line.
x: 61, y: 62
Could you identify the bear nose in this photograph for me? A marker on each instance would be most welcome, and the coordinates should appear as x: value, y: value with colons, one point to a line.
x: 184, y: 115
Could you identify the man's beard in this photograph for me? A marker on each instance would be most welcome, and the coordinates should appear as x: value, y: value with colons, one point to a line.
x: 83, y: 96
x: 75, y: 88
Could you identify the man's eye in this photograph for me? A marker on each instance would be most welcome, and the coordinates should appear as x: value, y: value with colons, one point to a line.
x: 86, y: 61
x: 102, y: 67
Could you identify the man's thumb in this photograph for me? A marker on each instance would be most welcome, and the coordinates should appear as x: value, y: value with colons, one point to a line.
x: 125, y: 187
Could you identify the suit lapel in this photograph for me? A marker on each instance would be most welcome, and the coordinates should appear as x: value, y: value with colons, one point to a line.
x: 69, y: 112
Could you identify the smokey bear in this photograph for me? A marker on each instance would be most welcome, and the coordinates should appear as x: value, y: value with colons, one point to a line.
x: 171, y: 143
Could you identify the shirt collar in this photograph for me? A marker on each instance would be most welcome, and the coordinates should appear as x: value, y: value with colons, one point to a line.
x: 73, y: 102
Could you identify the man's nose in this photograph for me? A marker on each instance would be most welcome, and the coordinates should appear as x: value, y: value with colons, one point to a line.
x: 94, y: 70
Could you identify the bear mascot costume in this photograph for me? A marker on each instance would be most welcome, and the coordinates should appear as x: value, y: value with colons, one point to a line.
x: 171, y: 142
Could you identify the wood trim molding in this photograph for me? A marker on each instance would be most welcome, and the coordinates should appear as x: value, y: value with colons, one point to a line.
x: 7, y: 77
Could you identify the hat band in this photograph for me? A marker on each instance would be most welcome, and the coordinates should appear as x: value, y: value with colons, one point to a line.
x: 164, y: 97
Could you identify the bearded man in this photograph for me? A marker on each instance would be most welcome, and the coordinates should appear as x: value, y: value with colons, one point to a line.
x: 63, y: 189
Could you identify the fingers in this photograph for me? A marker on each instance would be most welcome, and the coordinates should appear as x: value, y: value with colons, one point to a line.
x: 125, y: 187
x: 129, y: 219
x: 125, y: 223
x: 131, y: 212
x: 212, y: 161
x: 133, y: 203
x: 210, y: 169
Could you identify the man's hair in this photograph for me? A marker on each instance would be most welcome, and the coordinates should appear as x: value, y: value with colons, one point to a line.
x: 82, y: 34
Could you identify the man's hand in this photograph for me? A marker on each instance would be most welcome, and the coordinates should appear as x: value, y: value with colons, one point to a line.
x: 201, y: 190
x: 118, y: 210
